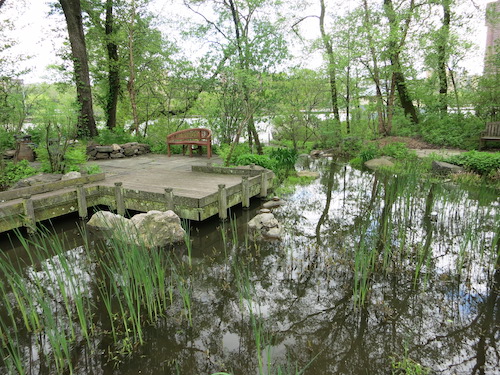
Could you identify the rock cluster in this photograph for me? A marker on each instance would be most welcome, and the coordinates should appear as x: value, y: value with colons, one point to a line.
x: 116, y: 151
x: 264, y: 226
x: 151, y: 229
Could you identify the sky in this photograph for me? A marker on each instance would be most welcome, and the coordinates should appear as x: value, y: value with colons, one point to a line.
x: 41, y: 35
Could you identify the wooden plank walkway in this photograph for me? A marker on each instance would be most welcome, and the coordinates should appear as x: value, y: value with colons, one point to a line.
x: 191, y: 187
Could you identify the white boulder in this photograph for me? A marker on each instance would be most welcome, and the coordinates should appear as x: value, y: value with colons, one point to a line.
x: 265, y: 226
x: 151, y: 229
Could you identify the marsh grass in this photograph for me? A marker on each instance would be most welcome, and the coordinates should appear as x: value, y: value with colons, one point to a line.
x: 50, y: 297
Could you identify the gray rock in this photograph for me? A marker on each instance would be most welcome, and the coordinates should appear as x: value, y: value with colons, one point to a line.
x: 375, y: 164
x: 151, y: 229
x: 158, y: 228
x: 116, y: 148
x: 71, y: 175
x: 104, y: 149
x: 129, y: 151
x: 440, y: 167
x: 116, y: 155
x: 113, y: 225
x: 102, y: 155
x: 265, y: 226
x: 274, y: 203
x: 129, y: 145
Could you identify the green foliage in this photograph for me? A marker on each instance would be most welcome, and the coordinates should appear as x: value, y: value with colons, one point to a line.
x: 7, y: 140
x: 117, y: 135
x: 91, y: 169
x: 61, y: 157
x: 284, y: 158
x: 453, y: 130
x: 13, y: 172
x: 397, y: 150
x: 368, y: 152
x: 262, y: 160
x: 483, y: 163
x: 239, y: 149
x: 407, y: 366
x: 351, y: 145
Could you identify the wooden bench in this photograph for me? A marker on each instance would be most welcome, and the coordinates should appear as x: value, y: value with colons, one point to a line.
x: 191, y: 138
x: 491, y: 133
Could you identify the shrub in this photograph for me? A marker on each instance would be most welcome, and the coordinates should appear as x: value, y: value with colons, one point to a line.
x: 239, y: 149
x: 369, y: 151
x: 482, y: 163
x: 13, y: 172
x: 453, y: 130
x: 262, y: 160
x: 117, y: 135
x: 7, y: 140
x: 397, y: 150
x: 61, y: 157
x: 285, y: 158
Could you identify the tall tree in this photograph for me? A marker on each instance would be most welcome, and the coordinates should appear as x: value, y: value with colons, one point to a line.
x: 327, y: 43
x: 442, y: 55
x: 249, y: 38
x: 73, y: 14
x: 131, y: 84
x: 375, y: 71
x: 399, y: 25
x: 113, y: 67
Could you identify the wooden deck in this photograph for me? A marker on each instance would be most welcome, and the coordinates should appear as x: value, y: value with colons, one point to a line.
x: 191, y: 187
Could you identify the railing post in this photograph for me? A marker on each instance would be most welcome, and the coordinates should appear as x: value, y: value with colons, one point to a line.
x: 222, y: 202
x: 120, y: 202
x: 82, y: 201
x: 29, y: 214
x: 263, y: 184
x: 245, y: 192
x: 169, y: 198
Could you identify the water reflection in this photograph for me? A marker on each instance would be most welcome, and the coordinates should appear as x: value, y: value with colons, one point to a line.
x: 365, y: 280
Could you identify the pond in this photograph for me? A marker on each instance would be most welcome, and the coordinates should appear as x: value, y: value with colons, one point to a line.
x: 374, y: 275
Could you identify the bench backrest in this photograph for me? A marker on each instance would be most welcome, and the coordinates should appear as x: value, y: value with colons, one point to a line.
x: 492, y: 129
x: 191, y: 134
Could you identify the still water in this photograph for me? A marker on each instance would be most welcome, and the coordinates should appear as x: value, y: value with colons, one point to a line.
x: 374, y: 275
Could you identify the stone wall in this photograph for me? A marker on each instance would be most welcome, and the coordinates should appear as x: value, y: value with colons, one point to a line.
x: 116, y: 151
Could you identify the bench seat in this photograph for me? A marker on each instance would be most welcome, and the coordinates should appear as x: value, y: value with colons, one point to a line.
x: 491, y: 133
x: 188, y: 138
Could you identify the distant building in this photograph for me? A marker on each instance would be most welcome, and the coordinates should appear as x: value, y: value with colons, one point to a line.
x: 492, y: 53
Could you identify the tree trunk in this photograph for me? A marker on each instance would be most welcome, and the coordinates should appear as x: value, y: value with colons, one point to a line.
x: 394, y: 52
x: 73, y: 14
x: 131, y: 81
x: 113, y: 68
x: 375, y: 72
x: 442, y: 53
x: 331, y: 62
x: 241, y: 36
